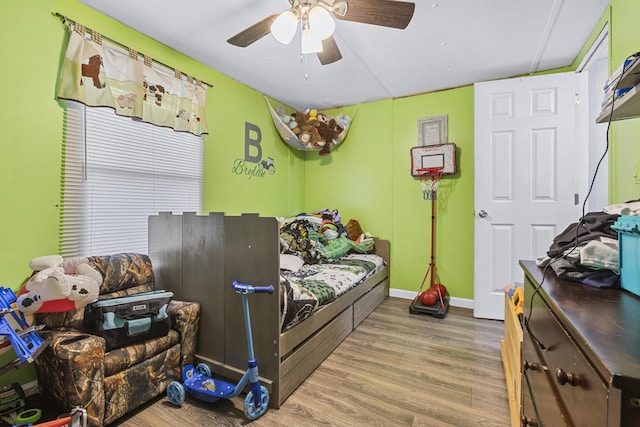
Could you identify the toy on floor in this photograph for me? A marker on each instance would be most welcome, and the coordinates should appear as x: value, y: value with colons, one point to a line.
x: 25, y: 340
x: 76, y: 418
x: 198, y: 381
x: 13, y: 403
x: 12, y: 399
x: 27, y: 344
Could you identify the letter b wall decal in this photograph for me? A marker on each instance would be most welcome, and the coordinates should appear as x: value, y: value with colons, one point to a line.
x: 252, y: 138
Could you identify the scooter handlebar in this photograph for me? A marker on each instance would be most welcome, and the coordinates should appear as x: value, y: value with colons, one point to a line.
x: 243, y: 288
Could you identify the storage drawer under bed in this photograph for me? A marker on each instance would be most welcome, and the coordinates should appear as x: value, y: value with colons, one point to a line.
x: 369, y: 301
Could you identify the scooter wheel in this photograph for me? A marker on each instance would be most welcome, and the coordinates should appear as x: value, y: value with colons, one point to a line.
x: 250, y: 410
x: 203, y: 369
x: 175, y: 393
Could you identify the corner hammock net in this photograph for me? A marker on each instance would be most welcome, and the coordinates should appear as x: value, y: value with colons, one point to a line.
x: 310, y: 130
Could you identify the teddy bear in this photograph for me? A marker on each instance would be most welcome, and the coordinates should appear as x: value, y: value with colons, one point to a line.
x: 297, y: 119
x: 307, y: 130
x: 309, y: 136
x: 329, y: 132
x: 59, y: 285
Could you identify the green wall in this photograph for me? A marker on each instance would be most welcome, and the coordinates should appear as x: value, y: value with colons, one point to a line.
x: 229, y: 185
x: 356, y: 177
x: 624, y: 34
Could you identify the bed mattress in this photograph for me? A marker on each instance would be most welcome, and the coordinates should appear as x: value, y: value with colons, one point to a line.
x: 309, y: 287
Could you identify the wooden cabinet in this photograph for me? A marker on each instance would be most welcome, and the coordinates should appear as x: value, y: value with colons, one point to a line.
x: 581, y: 353
x: 628, y: 105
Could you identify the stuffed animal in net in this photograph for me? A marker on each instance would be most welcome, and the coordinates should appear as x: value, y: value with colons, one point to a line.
x: 329, y: 131
x: 307, y: 129
x: 313, y: 129
x: 58, y: 285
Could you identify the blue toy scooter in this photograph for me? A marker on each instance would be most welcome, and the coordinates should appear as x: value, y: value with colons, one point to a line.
x: 200, y: 384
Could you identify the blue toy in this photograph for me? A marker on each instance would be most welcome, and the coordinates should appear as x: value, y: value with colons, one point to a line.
x: 198, y: 381
x: 25, y: 341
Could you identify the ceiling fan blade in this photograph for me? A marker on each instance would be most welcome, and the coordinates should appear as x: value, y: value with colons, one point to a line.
x: 386, y: 13
x: 330, y: 51
x: 253, y: 33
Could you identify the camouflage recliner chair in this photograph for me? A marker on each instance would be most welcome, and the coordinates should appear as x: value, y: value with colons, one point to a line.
x: 74, y: 370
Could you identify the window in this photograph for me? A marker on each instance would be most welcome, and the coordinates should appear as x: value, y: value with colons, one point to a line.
x: 118, y: 172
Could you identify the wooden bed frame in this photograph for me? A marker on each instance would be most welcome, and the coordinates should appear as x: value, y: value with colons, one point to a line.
x: 197, y: 257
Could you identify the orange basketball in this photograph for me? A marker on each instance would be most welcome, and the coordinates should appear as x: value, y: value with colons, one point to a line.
x: 435, y: 288
x: 428, y: 297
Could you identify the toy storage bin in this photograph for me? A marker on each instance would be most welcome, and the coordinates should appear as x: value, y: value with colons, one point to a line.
x: 628, y: 228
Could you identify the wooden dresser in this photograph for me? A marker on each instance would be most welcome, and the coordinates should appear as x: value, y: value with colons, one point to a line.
x: 581, y: 354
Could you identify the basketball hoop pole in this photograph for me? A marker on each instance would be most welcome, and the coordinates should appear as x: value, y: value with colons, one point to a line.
x: 435, y: 174
x: 429, y: 163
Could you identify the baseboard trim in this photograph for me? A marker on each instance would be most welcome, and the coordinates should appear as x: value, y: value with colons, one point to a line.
x: 410, y: 295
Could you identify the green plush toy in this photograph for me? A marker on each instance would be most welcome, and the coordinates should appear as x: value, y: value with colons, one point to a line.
x: 339, y: 247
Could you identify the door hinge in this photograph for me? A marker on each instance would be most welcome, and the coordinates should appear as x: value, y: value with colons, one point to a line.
x: 576, y: 199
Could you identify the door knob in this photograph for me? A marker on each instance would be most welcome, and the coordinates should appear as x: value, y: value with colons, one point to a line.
x: 483, y: 213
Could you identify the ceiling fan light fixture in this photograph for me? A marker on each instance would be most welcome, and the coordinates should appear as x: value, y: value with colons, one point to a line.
x: 339, y: 9
x: 311, y: 43
x: 284, y: 27
x: 321, y: 22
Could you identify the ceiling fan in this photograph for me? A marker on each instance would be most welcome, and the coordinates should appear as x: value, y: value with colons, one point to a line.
x: 316, y: 18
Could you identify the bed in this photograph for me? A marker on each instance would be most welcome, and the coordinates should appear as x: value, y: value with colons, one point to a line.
x: 198, y: 256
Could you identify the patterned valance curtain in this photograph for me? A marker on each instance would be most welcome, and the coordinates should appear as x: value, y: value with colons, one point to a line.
x: 99, y: 76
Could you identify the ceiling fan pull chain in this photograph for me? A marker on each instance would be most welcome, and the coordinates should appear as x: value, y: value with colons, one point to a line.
x: 303, y: 60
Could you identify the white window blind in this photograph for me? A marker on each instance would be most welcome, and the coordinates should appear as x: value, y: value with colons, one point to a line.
x: 118, y: 172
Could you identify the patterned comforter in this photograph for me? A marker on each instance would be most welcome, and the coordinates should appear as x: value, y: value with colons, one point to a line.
x: 315, y: 285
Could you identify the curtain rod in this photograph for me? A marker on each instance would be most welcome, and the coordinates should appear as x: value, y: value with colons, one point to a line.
x: 127, y: 48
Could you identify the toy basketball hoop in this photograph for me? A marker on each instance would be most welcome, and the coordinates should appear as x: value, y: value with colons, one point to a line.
x: 433, y: 156
x: 430, y: 163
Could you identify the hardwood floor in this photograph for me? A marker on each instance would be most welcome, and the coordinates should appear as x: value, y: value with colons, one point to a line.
x: 395, y: 369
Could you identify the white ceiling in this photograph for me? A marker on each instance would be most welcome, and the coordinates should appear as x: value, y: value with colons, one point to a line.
x: 449, y: 43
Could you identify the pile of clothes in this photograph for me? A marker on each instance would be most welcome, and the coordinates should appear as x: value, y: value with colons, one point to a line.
x: 320, y: 236
x: 587, y: 250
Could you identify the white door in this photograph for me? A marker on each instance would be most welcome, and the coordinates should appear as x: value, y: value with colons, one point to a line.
x: 526, y: 165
